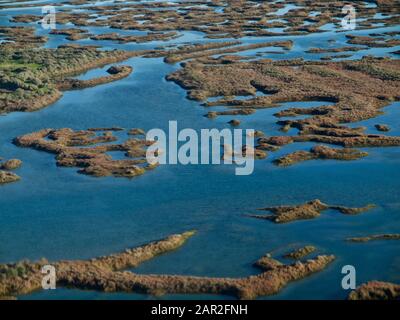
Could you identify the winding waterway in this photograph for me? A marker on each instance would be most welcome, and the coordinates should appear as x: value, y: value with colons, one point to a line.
x: 54, y: 212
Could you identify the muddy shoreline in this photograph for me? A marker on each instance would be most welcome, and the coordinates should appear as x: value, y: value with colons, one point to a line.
x: 231, y: 78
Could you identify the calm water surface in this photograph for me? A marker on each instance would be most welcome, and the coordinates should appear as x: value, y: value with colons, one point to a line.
x: 58, y: 214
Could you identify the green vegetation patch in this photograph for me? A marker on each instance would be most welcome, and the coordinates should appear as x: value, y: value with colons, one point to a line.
x: 29, y: 76
x: 17, y: 65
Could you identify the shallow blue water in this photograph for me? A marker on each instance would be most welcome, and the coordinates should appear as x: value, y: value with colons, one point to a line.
x: 56, y: 213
